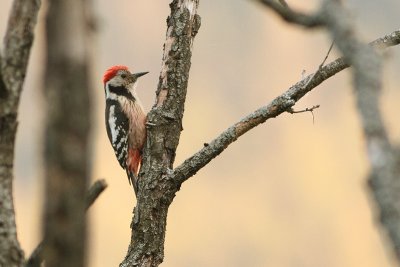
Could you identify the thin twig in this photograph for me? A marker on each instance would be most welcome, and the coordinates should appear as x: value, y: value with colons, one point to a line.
x: 36, y: 258
x: 94, y: 192
x: 279, y: 105
x: 367, y: 78
x: 321, y: 65
x: 291, y: 111
x: 327, y: 55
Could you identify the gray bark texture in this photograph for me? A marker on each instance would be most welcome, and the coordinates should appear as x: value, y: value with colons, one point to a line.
x: 68, y: 126
x: 67, y: 147
x: 13, y: 64
x: 384, y: 157
x: 155, y: 190
x: 279, y: 105
x: 384, y: 178
x: 158, y: 181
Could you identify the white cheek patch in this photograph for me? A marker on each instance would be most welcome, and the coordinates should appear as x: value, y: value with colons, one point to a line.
x: 107, y: 90
x: 110, y: 95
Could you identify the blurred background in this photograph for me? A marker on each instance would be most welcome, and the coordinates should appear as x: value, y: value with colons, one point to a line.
x: 290, y: 193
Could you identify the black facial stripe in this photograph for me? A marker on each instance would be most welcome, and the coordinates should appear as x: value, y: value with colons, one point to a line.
x: 122, y: 91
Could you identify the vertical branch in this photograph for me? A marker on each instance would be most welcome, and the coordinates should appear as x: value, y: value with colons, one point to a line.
x: 155, y: 191
x: 13, y: 64
x: 367, y: 78
x: 18, y: 41
x: 183, y: 24
x: 384, y: 158
x: 67, y: 147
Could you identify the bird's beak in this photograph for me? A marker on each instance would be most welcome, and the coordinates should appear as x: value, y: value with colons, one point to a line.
x: 139, y: 74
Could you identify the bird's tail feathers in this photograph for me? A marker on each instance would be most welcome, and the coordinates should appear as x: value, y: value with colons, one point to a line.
x: 132, y: 178
x: 133, y: 164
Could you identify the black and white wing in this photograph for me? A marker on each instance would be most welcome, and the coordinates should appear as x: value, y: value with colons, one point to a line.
x: 117, y: 125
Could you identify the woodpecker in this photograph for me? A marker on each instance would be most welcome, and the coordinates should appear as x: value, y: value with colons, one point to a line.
x: 125, y: 119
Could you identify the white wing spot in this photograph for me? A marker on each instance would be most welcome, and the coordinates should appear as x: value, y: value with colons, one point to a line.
x: 121, y: 142
x: 112, y: 122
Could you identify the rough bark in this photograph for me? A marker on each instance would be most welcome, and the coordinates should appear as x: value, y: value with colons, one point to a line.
x: 384, y: 157
x: 13, y: 64
x: 158, y: 181
x: 278, y: 106
x: 67, y: 147
x: 384, y: 178
x: 155, y: 193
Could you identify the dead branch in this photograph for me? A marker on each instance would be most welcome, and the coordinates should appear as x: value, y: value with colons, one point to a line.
x: 291, y: 111
x: 367, y: 78
x: 277, y: 106
x: 383, y: 180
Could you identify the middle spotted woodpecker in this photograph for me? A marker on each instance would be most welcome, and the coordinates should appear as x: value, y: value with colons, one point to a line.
x: 125, y: 119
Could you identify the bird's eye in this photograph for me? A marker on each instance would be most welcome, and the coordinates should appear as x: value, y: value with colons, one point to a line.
x: 123, y: 76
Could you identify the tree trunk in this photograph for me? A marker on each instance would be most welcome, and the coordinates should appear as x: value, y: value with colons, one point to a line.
x: 10, y: 251
x: 156, y: 191
x: 67, y: 143
x: 13, y: 64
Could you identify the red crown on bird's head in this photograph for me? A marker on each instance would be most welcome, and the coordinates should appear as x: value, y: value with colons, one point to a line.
x: 111, y: 72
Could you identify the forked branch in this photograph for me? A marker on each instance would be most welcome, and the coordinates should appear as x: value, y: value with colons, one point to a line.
x: 164, y: 122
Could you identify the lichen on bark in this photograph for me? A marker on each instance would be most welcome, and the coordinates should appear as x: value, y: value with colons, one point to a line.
x: 156, y: 191
x: 14, y: 59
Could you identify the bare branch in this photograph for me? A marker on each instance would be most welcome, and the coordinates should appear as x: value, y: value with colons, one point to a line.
x: 17, y: 44
x: 320, y: 66
x: 13, y: 64
x: 384, y: 178
x: 291, y: 111
x: 191, y: 165
x: 327, y: 55
x: 311, y: 110
x: 279, y: 105
x: 292, y: 16
x: 92, y: 194
x: 154, y: 194
x: 391, y: 39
